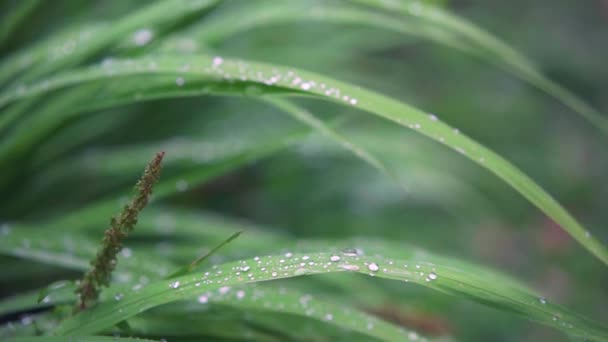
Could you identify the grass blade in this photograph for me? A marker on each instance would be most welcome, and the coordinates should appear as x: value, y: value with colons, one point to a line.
x: 436, y: 276
x: 498, y: 52
x: 309, y: 119
x: 192, y: 266
x: 216, y: 75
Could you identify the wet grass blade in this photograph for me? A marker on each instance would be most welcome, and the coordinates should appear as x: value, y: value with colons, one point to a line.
x: 309, y: 119
x: 416, y: 19
x: 194, y: 264
x: 445, y: 278
x: 401, y: 262
x: 495, y: 50
x: 214, y: 75
x: 12, y: 20
x: 76, y: 339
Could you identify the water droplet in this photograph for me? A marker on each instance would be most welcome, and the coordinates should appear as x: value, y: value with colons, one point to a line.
x: 5, y: 229
x: 217, y: 61
x: 412, y: 336
x: 328, y: 317
x: 373, y: 267
x: 334, y: 258
x: 143, y: 36
x: 288, y: 255
x: 203, y: 299
x: 306, y: 257
x: 174, y: 285
x: 351, y: 252
x: 240, y: 294
x: 223, y: 290
x: 181, y: 185
x: 27, y: 320
x: 274, y: 274
x: 432, y: 117
x: 126, y: 252
x: 352, y: 268
x: 180, y: 81
x: 306, y: 86
x: 353, y: 101
x: 118, y: 296
x: 432, y: 275
x: 542, y: 300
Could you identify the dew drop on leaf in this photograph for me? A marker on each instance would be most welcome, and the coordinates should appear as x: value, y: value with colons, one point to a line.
x: 142, y: 37
x: 181, y: 185
x: 351, y: 252
x: 217, y: 61
x: 352, y: 268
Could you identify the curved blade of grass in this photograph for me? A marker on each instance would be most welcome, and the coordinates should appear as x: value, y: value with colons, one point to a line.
x: 309, y: 119
x: 239, y: 77
x: 218, y: 27
x: 157, y: 14
x: 482, y: 287
x: 48, y: 49
x: 463, y: 279
x: 76, y: 339
x: 113, y: 168
x: 285, y: 302
x: 194, y: 264
x: 262, y: 299
x: 498, y: 52
x: 15, y: 17
x: 425, y: 20
x: 289, y: 301
x: 169, y: 185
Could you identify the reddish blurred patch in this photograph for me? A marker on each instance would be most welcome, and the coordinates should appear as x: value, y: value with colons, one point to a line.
x: 552, y: 238
x: 423, y: 323
x: 498, y: 244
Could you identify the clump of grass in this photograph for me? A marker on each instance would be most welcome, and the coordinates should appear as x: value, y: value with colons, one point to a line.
x: 83, y: 106
x: 106, y: 259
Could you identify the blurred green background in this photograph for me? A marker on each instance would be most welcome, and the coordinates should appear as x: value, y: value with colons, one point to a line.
x: 315, y: 189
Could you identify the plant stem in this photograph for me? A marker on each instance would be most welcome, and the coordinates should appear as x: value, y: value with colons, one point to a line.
x: 106, y: 259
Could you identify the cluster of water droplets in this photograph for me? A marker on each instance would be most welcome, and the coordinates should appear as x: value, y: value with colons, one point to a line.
x: 143, y: 36
x: 288, y: 301
x: 71, y: 43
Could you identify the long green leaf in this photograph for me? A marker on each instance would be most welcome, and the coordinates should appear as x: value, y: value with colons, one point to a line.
x: 434, y: 275
x: 215, y: 75
x: 463, y: 279
x: 498, y: 52
x: 421, y: 20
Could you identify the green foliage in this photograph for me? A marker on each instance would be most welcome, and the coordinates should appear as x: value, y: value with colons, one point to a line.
x: 250, y: 135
